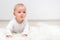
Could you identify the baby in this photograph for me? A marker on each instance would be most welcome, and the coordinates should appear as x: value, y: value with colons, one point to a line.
x: 19, y: 23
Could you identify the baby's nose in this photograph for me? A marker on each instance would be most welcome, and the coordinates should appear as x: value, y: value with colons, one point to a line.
x: 22, y: 13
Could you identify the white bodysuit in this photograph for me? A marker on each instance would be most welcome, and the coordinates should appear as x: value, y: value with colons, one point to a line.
x: 14, y: 27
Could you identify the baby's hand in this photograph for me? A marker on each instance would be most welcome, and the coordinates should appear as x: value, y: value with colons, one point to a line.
x: 24, y: 35
x: 9, y: 36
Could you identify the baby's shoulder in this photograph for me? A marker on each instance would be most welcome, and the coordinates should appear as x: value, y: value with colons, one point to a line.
x: 12, y: 21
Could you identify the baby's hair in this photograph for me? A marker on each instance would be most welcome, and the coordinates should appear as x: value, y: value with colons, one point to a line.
x: 19, y: 4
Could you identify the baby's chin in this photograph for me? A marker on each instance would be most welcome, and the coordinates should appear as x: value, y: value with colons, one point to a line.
x: 21, y: 18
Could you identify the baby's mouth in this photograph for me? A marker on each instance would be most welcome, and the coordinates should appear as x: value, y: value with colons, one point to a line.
x: 21, y: 16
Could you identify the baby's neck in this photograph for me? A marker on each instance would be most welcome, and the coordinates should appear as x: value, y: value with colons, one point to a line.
x: 19, y: 21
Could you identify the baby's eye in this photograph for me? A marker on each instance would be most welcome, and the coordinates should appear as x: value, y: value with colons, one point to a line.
x: 19, y: 12
x: 24, y: 12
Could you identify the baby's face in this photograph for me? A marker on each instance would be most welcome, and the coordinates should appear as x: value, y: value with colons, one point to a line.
x: 20, y: 12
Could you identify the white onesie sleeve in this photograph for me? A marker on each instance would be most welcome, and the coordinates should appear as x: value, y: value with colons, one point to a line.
x: 9, y: 28
x: 27, y: 29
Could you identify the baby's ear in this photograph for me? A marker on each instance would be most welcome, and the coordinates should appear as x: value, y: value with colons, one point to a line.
x: 13, y: 13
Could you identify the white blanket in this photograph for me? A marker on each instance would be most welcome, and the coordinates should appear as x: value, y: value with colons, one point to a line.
x: 41, y: 32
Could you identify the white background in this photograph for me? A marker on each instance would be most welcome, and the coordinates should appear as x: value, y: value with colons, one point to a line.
x: 36, y: 9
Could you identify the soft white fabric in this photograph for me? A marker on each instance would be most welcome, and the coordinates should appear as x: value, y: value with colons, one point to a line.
x: 13, y: 26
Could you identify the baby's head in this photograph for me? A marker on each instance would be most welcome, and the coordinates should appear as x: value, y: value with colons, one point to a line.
x: 20, y: 12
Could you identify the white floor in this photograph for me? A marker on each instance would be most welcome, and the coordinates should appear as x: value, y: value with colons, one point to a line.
x: 42, y: 31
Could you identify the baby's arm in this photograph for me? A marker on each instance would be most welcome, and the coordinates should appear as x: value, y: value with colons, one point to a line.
x: 26, y: 30
x: 8, y: 33
x: 8, y: 30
